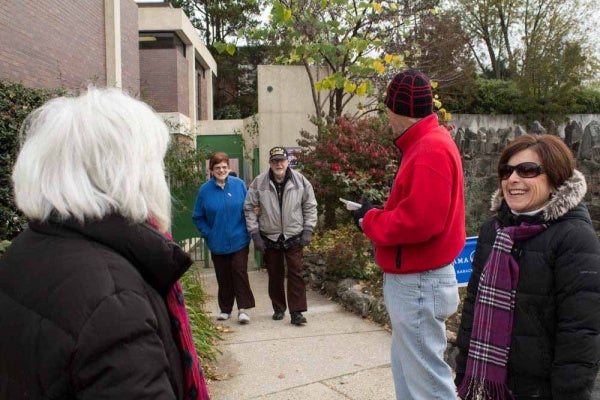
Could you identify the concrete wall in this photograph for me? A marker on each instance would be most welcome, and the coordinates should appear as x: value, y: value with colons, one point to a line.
x: 221, y: 127
x: 285, y: 106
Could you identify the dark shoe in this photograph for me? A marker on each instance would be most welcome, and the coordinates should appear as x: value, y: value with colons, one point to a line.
x: 298, y: 318
x: 278, y: 315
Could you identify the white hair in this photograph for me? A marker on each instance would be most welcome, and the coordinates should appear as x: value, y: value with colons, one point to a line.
x: 89, y: 156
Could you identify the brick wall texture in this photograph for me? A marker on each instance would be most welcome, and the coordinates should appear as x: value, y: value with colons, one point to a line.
x: 164, y: 79
x: 158, y: 79
x: 130, y: 55
x: 61, y: 43
x: 183, y: 105
x: 202, y: 96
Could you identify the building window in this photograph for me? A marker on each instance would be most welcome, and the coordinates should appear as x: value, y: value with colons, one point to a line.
x: 161, y: 40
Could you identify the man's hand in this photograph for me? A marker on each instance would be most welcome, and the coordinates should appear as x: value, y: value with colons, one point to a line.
x: 359, y: 214
x: 305, y: 239
x: 259, y: 243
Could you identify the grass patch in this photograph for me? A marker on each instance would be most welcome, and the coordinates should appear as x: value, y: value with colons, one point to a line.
x: 204, y: 331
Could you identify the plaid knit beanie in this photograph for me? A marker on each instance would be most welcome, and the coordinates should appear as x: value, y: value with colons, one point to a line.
x: 409, y: 94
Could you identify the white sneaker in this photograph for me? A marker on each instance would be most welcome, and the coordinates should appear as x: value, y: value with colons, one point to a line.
x: 222, y: 317
x: 243, y: 318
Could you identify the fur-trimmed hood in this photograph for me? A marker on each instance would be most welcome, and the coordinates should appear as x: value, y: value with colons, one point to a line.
x: 565, y: 198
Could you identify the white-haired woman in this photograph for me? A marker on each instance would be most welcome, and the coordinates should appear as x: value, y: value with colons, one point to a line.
x: 91, y: 305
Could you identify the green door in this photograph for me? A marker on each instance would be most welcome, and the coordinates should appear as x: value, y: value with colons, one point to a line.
x: 230, y: 144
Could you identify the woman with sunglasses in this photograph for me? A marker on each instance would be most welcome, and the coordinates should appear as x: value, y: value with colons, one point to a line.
x: 531, y: 319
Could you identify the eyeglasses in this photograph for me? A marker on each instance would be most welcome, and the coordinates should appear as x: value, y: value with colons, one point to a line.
x: 524, y: 170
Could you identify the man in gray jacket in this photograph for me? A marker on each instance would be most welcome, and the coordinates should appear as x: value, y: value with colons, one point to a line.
x: 281, y: 214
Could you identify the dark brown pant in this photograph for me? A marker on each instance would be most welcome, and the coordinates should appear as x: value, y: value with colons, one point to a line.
x: 275, y: 261
x: 232, y: 276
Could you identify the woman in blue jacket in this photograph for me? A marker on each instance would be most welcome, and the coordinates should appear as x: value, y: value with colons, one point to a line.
x: 219, y: 216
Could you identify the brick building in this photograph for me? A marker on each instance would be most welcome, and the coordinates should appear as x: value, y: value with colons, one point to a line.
x: 149, y: 49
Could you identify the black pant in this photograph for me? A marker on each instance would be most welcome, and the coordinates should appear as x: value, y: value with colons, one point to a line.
x: 275, y: 260
x: 232, y: 276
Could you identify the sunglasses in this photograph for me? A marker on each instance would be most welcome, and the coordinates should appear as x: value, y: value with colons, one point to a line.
x: 524, y: 170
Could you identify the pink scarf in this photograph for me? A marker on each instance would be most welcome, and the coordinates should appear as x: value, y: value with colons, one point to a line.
x: 194, y: 384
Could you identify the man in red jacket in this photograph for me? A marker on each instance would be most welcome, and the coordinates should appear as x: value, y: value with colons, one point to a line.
x: 417, y: 235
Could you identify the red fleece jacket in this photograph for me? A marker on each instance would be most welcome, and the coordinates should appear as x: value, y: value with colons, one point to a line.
x: 422, y: 225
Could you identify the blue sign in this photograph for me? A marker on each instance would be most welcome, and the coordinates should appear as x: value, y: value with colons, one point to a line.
x: 462, y: 263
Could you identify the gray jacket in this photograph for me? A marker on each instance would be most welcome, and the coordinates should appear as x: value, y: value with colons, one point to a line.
x: 298, y: 210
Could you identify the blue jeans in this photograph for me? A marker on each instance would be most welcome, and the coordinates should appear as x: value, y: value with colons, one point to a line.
x: 418, y: 305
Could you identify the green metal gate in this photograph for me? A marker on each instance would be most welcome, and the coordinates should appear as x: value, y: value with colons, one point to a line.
x: 183, y: 229
x: 233, y: 145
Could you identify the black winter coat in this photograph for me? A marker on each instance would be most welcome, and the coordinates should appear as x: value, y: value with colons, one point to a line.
x: 555, y: 342
x: 83, y: 313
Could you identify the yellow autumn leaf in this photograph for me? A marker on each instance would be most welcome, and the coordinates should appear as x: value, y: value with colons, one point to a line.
x: 328, y: 84
x: 437, y: 103
x: 378, y: 66
x: 361, y: 89
x: 349, y: 87
x: 388, y: 58
x: 434, y: 84
x: 447, y: 116
x: 377, y: 7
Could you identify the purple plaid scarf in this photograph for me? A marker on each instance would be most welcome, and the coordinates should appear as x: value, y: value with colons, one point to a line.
x: 485, y: 376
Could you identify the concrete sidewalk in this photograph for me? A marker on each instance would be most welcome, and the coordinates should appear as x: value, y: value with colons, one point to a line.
x: 337, y: 355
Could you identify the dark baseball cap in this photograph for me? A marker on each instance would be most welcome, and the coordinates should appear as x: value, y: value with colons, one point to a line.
x: 278, y: 153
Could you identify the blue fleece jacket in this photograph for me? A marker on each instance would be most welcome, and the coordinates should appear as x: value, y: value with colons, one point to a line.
x: 219, y: 216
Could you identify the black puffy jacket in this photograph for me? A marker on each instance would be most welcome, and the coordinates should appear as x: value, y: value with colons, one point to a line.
x: 555, y: 342
x: 83, y: 315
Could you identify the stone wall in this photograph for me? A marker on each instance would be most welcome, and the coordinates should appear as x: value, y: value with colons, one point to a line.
x: 480, y: 150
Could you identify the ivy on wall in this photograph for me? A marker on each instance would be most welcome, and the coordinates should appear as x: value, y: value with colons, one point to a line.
x: 16, y: 102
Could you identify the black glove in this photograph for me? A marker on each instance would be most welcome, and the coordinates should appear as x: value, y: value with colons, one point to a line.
x: 305, y: 239
x: 359, y: 214
x: 259, y: 243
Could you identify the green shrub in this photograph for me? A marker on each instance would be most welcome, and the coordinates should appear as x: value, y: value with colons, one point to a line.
x: 16, y: 102
x: 4, y: 245
x: 204, y: 330
x: 585, y: 101
x: 347, y: 253
x: 494, y: 96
